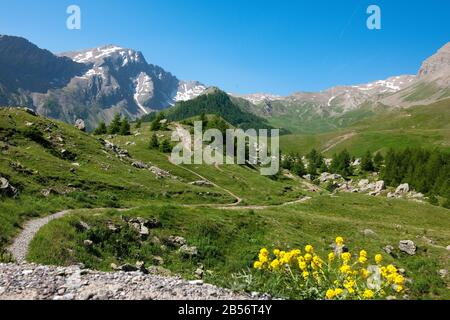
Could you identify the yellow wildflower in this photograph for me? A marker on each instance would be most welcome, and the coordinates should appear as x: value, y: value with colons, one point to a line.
x: 309, y: 249
x: 305, y: 274
x: 362, y: 259
x: 368, y: 294
x: 363, y: 253
x: 339, y: 241
x: 302, y: 265
x: 399, y: 289
x: 346, y: 256
x: 345, y: 269
x: 391, y: 269
x: 399, y: 280
x: 308, y: 257
x: 364, y: 273
x: 330, y: 294
x: 338, y: 291
x: 276, y: 252
x: 275, y: 264
x: 331, y: 256
x: 378, y: 258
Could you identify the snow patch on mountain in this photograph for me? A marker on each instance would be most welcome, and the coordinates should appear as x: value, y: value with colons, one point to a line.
x: 143, y: 90
x: 188, y: 90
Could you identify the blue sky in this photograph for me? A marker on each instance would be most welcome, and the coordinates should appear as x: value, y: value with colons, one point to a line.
x: 247, y: 46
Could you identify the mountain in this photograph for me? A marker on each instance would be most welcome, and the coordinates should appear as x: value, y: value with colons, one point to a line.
x: 215, y: 101
x: 341, y: 106
x: 92, y: 84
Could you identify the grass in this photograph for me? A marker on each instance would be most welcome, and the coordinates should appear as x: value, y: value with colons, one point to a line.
x: 229, y: 240
x: 420, y: 126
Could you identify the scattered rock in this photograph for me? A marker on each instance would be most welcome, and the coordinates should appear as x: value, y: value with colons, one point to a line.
x: 202, y: 183
x: 30, y: 111
x: 48, y: 192
x: 443, y: 273
x: 139, y: 165
x: 6, y: 189
x: 388, y: 249
x: 79, y: 124
x: 369, y: 233
x: 307, y: 177
x: 402, y: 189
x: 88, y: 243
x: 82, y: 226
x: 408, y: 247
x: 188, y: 251
x: 325, y: 177
x: 380, y: 186
x: 160, y: 173
x: 158, y: 260
x: 176, y: 241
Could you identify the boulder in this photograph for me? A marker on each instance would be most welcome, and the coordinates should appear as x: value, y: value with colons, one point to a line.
x: 388, y: 249
x: 202, y: 183
x: 362, y: 184
x: 307, y: 177
x: 88, y: 243
x: 188, y: 251
x: 30, y: 111
x: 7, y: 189
x: 325, y: 177
x: 139, y: 165
x: 407, y: 246
x: 79, y: 124
x: 379, y: 186
x: 369, y: 233
x: 402, y: 189
x: 176, y: 241
x: 443, y: 273
x: 82, y: 226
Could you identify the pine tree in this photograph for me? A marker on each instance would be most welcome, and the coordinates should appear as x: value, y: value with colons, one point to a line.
x: 298, y: 167
x: 367, y: 162
x: 378, y: 161
x: 138, y: 124
x: 204, y: 120
x: 156, y: 124
x: 114, y: 126
x: 124, y: 127
x: 154, y: 144
x: 101, y: 129
x: 165, y: 146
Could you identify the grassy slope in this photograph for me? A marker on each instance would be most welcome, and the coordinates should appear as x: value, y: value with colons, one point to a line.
x: 121, y: 185
x: 228, y: 241
x: 426, y: 126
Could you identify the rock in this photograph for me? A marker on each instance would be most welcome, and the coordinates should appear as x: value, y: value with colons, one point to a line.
x: 388, y: 249
x: 391, y: 195
x: 188, y: 251
x: 82, y: 226
x: 6, y: 189
x: 176, y: 241
x: 402, y: 189
x: 369, y: 233
x: 202, y: 183
x: 443, y: 273
x: 159, y: 271
x: 112, y: 227
x: 356, y: 163
x: 159, y: 173
x: 144, y: 232
x: 128, y: 268
x: 416, y: 195
x: 307, y: 177
x: 79, y: 124
x: 88, y: 243
x: 139, y: 165
x: 408, y: 247
x: 374, y: 193
x: 140, y: 266
x: 47, y: 192
x: 30, y: 111
x: 448, y: 248
x: 152, y: 223
x: 380, y: 186
x: 362, y: 184
x: 196, y: 282
x: 199, y: 273
x: 158, y: 260
x: 325, y: 177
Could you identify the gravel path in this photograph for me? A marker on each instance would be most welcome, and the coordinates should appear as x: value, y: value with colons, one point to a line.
x: 19, y: 248
x: 37, y: 282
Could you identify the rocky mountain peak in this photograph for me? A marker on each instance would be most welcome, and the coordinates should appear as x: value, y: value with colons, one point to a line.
x: 438, y: 65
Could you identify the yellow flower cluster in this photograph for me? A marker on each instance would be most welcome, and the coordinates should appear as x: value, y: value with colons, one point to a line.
x: 343, y: 276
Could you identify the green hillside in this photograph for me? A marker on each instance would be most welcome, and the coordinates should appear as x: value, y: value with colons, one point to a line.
x: 218, y: 103
x: 420, y: 126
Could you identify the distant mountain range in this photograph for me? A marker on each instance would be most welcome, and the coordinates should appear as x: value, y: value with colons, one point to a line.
x: 95, y: 84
